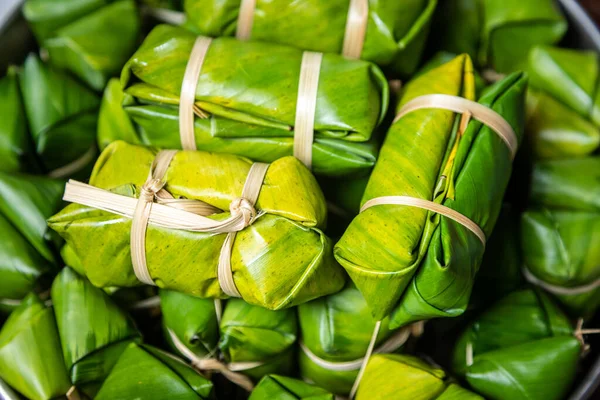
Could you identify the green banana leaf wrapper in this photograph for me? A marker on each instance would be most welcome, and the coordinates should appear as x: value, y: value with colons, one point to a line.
x: 265, y: 270
x: 405, y: 261
x: 563, y: 105
x: 257, y: 121
x: 395, y: 37
x: 497, y: 34
x: 146, y: 373
x: 62, y: 116
x: 246, y: 333
x: 524, y: 328
x: 31, y: 359
x: 337, y: 328
x: 176, y: 5
x: 90, y: 38
x: 16, y: 149
x: 395, y: 376
x: 282, y: 387
x: 93, y: 330
x: 560, y: 229
x: 28, y: 249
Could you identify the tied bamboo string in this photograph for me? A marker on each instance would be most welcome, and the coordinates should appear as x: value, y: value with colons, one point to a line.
x: 245, y: 20
x: 560, y: 290
x: 187, y: 107
x: 365, y: 360
x: 306, y: 105
x: 356, y: 28
x: 74, y: 166
x: 229, y: 371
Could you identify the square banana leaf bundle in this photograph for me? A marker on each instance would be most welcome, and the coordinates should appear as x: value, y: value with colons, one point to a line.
x: 563, y: 103
x: 337, y: 329
x: 395, y: 36
x: 281, y: 260
x: 44, y: 351
x: 282, y: 387
x: 560, y: 230
x: 522, y: 347
x: 409, y: 263
x: 62, y: 115
x: 146, y: 373
x: 29, y: 251
x: 247, y: 95
x: 91, y: 39
x: 396, y: 376
x: 497, y: 34
x: 261, y: 339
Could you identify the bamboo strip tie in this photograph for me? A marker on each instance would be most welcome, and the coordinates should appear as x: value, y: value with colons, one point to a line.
x: 245, y: 20
x: 560, y: 290
x: 356, y: 28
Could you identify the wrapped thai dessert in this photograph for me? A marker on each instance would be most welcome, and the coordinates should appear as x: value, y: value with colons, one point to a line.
x: 522, y: 347
x: 254, y: 99
x: 497, y: 34
x: 389, y: 33
x: 239, y: 340
x: 434, y: 195
x: 281, y: 387
x: 91, y: 39
x: 210, y: 225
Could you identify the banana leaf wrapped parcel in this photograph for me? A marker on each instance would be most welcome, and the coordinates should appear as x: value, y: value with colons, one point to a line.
x: 497, y: 34
x: 563, y: 105
x: 62, y: 115
x: 390, y: 33
x: 336, y: 331
x: 560, y: 230
x: 279, y: 258
x: 409, y: 262
x: 92, y: 39
x: 146, y: 373
x: 246, y: 101
x: 523, y: 347
x: 29, y: 251
x: 45, y: 354
x: 396, y: 376
x: 282, y: 387
x: 252, y: 340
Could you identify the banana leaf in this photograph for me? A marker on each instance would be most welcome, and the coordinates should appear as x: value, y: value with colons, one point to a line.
x: 294, y: 211
x: 93, y: 330
x: 404, y: 260
x: 337, y: 328
x: 256, y: 122
x: 113, y: 121
x: 283, y: 388
x: 246, y: 333
x: 395, y: 36
x: 90, y: 38
x: 497, y: 34
x: 522, y: 348
x: 16, y: 151
x: 560, y: 229
x: 28, y: 249
x: 395, y: 376
x: 31, y: 360
x: 62, y: 116
x: 165, y: 4
x: 147, y: 373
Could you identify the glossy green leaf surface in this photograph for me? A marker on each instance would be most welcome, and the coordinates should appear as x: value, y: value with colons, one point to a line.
x: 29, y: 249
x: 113, y: 122
x: 252, y: 102
x: 285, y: 388
x: 390, y: 376
x: 523, y: 348
x: 337, y: 328
x: 70, y: 30
x: 404, y: 260
x: 93, y: 330
x: 395, y: 36
x: 497, y: 33
x: 287, y: 234
x: 31, y: 360
x: 61, y: 112
x: 147, y: 373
